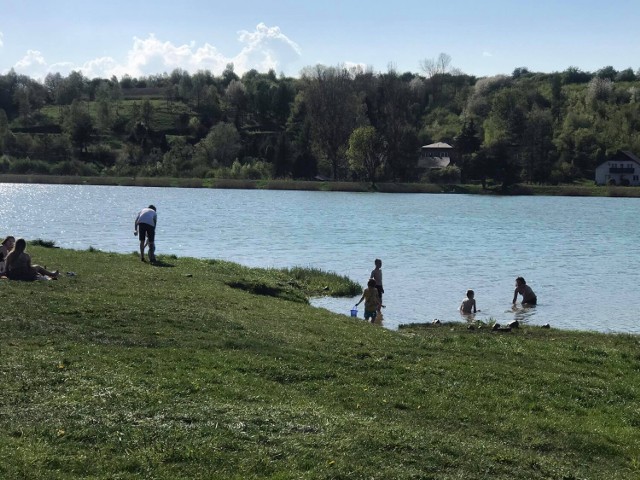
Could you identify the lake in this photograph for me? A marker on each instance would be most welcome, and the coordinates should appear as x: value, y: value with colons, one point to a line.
x: 579, y: 254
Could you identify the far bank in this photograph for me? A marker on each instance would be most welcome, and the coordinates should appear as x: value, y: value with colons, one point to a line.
x: 579, y: 190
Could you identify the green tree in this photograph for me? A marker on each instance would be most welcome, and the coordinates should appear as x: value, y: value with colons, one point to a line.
x: 78, y: 125
x: 467, y: 142
x: 283, y: 99
x: 116, y: 93
x: 228, y: 75
x: 440, y: 125
x: 479, y: 101
x: 557, y: 95
x: 260, y: 91
x: 220, y: 147
x: 393, y: 120
x: 305, y: 164
x: 626, y: 75
x: 507, y: 120
x: 575, y: 75
x: 21, y: 98
x: 185, y: 86
x: 146, y: 112
x: 200, y: 81
x: 600, y: 89
x: 607, y: 72
x: 237, y: 102
x: 70, y: 88
x: 538, y: 150
x: 366, y: 152
x: 210, y: 109
x: 282, y: 157
x: 178, y: 160
x: 136, y: 113
x: 501, y: 164
x: 4, y: 129
x: 104, y: 119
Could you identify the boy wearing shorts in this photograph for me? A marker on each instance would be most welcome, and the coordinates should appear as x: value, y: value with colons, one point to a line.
x: 371, y: 301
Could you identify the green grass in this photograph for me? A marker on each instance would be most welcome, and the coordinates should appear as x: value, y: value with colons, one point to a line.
x: 551, y: 190
x: 163, y: 117
x: 338, y: 186
x: 206, y: 369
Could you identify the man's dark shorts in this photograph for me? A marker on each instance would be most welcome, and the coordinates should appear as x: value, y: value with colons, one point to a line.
x: 145, y: 230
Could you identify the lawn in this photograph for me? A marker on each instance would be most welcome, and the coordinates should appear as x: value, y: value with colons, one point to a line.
x: 206, y: 369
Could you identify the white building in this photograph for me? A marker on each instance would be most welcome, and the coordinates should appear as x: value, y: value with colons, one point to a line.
x: 436, y: 155
x: 623, y: 168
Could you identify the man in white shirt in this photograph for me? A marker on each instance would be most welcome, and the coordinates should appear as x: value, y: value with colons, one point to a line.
x: 146, y: 223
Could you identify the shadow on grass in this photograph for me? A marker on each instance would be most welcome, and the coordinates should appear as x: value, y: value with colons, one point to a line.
x: 258, y: 287
x: 162, y: 264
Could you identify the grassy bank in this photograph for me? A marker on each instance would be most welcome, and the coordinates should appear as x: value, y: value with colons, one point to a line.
x: 581, y: 190
x: 205, y: 369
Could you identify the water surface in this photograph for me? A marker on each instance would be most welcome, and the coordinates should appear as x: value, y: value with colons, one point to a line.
x: 577, y: 253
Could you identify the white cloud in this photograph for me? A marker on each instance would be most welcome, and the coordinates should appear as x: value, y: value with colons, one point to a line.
x: 32, y: 64
x: 487, y: 54
x: 1, y: 36
x: 103, y: 67
x: 263, y: 49
x: 152, y: 56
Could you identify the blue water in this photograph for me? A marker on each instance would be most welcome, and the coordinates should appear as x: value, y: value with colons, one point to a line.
x: 578, y: 254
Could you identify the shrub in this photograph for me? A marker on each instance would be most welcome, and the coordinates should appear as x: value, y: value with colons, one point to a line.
x: 103, y: 154
x: 254, y: 170
x: 26, y: 165
x: 75, y: 167
x: 450, y: 174
x: 5, y: 164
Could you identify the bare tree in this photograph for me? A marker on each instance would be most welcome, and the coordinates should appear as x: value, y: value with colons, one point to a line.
x: 436, y: 66
x: 435, y: 69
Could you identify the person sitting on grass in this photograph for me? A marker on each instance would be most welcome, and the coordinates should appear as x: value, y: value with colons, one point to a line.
x: 5, y: 248
x: 371, y: 301
x: 18, y: 264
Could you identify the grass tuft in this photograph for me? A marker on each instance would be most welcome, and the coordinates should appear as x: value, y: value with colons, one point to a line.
x: 43, y: 243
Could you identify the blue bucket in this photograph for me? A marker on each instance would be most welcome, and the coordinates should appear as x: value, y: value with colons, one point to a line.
x: 354, y: 312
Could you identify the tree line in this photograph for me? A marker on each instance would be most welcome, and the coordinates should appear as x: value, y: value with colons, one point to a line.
x: 335, y: 122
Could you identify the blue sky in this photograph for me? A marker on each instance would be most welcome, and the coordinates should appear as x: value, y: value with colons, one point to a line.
x: 483, y: 38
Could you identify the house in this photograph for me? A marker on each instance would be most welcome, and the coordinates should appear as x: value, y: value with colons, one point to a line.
x: 623, y: 168
x: 436, y: 155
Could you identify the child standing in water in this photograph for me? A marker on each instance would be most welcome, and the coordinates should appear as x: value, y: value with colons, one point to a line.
x: 468, y: 305
x: 371, y: 301
x: 376, y: 274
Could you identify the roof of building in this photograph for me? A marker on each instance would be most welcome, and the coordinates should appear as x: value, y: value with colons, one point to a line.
x: 438, y: 145
x: 630, y: 156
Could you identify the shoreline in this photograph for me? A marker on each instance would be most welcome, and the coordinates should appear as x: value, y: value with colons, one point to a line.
x: 327, y: 186
x: 480, y: 326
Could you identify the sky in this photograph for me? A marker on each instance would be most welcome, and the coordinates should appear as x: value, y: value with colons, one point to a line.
x: 482, y: 37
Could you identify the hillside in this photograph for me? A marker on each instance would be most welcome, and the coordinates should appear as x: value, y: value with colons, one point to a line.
x: 529, y: 127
